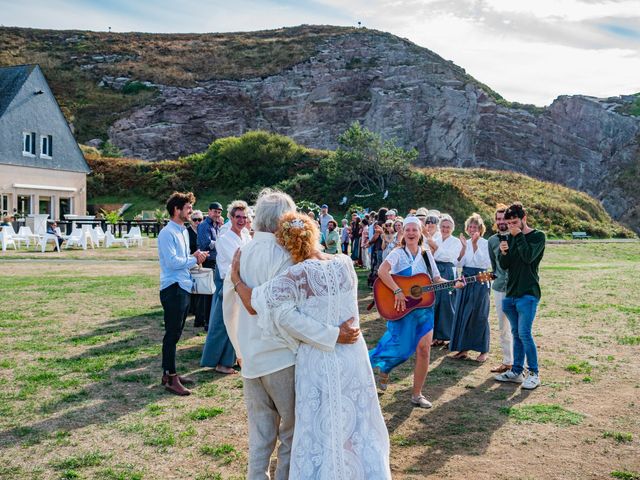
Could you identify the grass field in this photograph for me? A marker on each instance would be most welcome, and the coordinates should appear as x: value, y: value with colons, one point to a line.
x: 80, y: 394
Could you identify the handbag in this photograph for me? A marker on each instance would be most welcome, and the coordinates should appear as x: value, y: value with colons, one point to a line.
x: 202, y: 281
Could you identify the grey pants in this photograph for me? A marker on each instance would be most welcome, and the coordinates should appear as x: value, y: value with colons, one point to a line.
x: 270, y: 404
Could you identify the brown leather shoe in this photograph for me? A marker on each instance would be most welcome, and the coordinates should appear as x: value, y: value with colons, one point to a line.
x: 183, y: 380
x: 174, y: 386
x: 501, y: 368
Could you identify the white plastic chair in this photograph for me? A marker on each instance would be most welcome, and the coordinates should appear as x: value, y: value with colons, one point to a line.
x: 110, y: 240
x: 97, y: 235
x: 25, y: 234
x: 134, y: 235
x: 6, y: 237
x: 80, y: 237
x: 48, y: 237
x: 87, y: 232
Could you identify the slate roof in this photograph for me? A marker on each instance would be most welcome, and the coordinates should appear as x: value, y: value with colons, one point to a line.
x: 11, y: 80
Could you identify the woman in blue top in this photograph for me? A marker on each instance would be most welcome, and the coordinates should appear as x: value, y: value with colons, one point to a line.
x: 413, y: 332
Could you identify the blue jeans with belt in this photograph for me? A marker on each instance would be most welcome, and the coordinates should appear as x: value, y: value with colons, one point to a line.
x: 521, y: 311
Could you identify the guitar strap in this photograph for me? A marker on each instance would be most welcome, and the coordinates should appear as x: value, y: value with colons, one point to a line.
x: 425, y: 257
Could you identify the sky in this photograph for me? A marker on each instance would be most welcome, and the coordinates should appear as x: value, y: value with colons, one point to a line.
x: 529, y: 51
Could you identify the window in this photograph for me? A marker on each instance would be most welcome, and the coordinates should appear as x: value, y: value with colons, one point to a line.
x: 46, y: 146
x: 24, y: 204
x: 5, y: 202
x: 65, y: 207
x: 44, y: 206
x: 29, y: 143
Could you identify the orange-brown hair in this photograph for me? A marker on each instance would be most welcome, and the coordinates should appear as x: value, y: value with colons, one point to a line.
x: 299, y: 234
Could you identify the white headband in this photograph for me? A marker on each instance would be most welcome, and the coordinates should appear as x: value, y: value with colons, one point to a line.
x: 409, y: 220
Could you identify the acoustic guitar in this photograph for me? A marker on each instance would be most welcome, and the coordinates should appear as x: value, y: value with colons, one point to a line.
x: 419, y: 291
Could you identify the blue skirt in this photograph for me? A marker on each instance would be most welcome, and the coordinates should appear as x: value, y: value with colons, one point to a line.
x: 444, y: 306
x: 401, y: 339
x: 218, y: 349
x: 470, y: 329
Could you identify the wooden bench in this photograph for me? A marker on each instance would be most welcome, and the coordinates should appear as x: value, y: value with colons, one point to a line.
x: 580, y: 235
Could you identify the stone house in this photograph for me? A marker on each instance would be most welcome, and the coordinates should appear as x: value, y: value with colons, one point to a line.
x: 42, y: 169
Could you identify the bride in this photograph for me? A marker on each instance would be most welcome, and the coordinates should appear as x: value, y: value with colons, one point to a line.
x: 339, y: 429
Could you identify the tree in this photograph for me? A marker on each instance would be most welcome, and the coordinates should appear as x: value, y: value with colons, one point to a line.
x: 363, y: 159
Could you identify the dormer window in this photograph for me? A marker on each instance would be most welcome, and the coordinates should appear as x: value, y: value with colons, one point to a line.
x: 29, y: 144
x: 46, y: 146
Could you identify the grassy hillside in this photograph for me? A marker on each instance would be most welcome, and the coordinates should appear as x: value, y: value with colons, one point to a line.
x: 556, y: 209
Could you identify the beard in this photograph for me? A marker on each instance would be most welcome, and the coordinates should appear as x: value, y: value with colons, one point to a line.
x: 503, y: 227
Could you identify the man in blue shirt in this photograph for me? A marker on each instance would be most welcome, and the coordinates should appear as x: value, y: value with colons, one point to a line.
x: 208, y: 232
x: 175, y: 284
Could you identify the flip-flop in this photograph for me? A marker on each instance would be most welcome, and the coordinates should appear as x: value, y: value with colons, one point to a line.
x: 464, y: 356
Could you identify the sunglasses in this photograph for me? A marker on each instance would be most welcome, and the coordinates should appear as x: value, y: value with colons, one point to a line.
x: 196, y: 219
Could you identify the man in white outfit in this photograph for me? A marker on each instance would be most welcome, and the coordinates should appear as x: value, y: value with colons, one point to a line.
x: 268, y: 364
x: 499, y: 287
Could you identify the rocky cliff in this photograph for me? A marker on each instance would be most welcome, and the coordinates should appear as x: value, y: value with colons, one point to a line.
x: 311, y: 82
x: 400, y: 90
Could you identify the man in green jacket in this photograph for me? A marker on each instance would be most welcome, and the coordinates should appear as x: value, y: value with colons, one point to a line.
x: 520, y: 256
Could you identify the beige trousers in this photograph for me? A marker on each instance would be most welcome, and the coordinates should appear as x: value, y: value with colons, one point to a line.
x: 270, y: 401
x: 506, y: 340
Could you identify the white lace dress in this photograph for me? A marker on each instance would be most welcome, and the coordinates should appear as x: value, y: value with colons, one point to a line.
x: 340, y: 432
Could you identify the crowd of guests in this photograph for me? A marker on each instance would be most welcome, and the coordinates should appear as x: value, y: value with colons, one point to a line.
x: 292, y: 300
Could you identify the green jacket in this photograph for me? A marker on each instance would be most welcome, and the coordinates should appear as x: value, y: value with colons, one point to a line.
x: 522, y: 261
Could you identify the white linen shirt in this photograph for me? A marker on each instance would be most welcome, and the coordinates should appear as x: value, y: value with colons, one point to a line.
x: 448, y: 251
x: 400, y: 259
x: 478, y: 259
x: 226, y: 247
x: 263, y: 259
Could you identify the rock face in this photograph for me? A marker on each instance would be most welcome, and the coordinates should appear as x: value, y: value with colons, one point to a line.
x: 399, y: 90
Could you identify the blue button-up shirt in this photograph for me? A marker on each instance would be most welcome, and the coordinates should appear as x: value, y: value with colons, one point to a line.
x: 207, y: 233
x: 175, y: 261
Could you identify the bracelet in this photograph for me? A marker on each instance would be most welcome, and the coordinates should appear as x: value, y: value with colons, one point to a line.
x: 397, y: 291
x: 235, y: 286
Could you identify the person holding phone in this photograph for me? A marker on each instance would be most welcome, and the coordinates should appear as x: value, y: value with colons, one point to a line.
x: 499, y: 287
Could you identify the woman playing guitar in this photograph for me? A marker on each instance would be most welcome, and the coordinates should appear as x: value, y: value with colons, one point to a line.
x: 413, y: 332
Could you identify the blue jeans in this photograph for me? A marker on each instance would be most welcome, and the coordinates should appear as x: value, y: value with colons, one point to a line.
x: 521, y: 311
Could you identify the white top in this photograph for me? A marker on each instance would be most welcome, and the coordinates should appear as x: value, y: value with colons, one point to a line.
x: 340, y: 432
x: 478, y: 259
x: 400, y: 259
x: 448, y: 250
x: 263, y: 259
x: 226, y: 247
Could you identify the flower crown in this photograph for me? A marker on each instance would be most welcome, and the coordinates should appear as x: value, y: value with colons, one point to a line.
x: 295, y: 223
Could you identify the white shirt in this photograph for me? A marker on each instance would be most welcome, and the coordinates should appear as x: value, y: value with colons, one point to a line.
x: 262, y: 260
x: 400, y: 259
x: 226, y: 247
x: 478, y: 259
x: 448, y: 250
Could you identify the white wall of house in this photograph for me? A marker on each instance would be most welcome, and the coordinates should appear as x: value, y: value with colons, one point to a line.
x: 48, y: 190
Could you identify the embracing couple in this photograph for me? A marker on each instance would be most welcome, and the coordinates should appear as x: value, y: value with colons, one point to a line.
x: 294, y: 323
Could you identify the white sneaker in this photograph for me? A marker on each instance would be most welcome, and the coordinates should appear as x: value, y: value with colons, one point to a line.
x: 509, y: 376
x: 532, y: 381
x: 421, y: 401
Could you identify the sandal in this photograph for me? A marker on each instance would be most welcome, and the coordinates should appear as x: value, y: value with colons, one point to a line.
x: 382, y: 380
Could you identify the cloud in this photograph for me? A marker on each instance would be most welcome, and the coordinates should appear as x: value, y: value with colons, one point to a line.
x: 529, y: 52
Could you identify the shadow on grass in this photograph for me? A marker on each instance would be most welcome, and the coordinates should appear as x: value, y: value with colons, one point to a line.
x: 123, y: 374
x: 462, y: 426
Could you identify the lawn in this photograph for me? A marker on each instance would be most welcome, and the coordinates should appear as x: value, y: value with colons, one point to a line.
x: 80, y: 394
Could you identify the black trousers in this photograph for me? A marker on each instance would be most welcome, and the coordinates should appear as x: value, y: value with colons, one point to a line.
x: 175, y: 302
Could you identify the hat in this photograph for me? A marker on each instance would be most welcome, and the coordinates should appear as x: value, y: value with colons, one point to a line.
x: 391, y: 212
x: 422, y: 212
x: 332, y: 221
x: 409, y: 220
x: 324, y: 205
x: 215, y: 206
